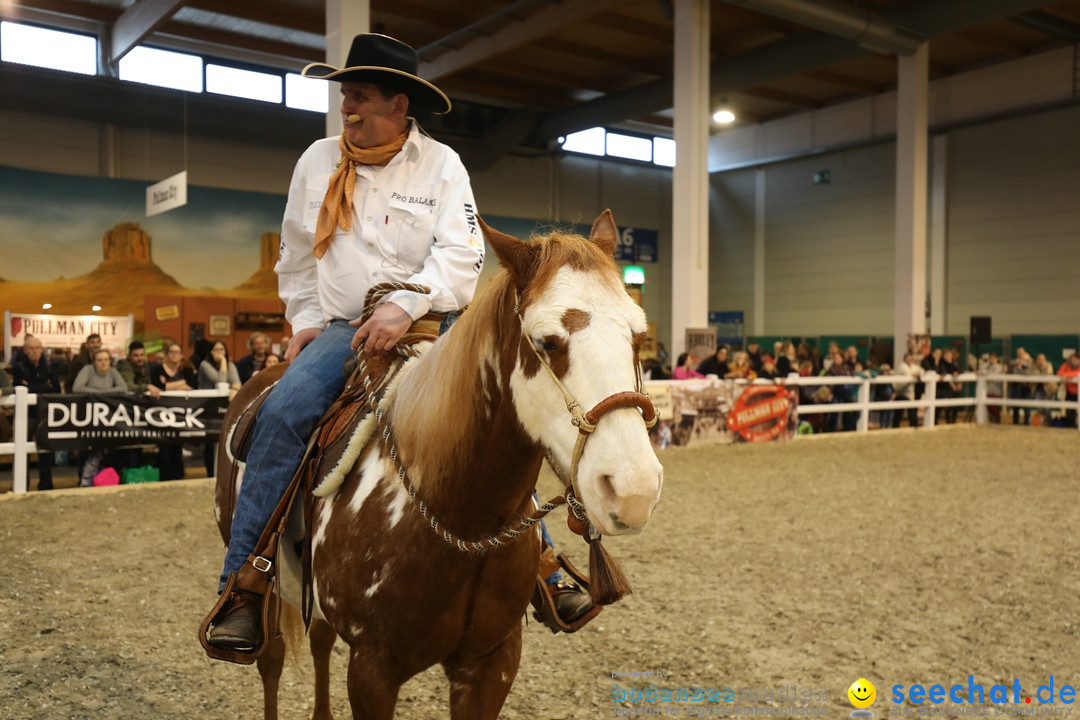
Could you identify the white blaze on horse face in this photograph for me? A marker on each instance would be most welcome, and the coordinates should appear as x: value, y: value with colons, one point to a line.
x: 619, y: 477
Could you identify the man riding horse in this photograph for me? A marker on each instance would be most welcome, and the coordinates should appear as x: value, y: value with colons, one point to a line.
x: 382, y: 203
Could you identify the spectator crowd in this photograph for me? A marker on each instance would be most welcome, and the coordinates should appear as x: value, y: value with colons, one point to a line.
x: 94, y: 371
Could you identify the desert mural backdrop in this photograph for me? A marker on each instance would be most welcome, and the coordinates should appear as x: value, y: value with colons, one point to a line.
x: 76, y: 242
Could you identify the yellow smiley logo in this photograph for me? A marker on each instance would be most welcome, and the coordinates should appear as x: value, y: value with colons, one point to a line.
x: 862, y: 693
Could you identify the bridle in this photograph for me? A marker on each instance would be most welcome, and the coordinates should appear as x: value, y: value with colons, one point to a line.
x: 586, y: 422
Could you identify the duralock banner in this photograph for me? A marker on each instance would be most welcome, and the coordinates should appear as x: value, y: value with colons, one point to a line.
x: 81, y: 422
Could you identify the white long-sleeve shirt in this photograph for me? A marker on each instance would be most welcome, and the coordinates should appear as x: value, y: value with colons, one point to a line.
x: 413, y: 221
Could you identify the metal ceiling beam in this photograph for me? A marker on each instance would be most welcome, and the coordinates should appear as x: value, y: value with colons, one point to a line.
x: 1048, y: 24
x: 870, y: 30
x: 773, y: 62
x: 519, y: 32
x: 137, y: 22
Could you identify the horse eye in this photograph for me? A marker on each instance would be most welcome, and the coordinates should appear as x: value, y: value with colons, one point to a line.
x: 548, y: 345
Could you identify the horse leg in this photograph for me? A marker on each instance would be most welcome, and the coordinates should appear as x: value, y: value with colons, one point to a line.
x: 372, y: 695
x: 322, y: 638
x: 479, y: 685
x: 270, y: 664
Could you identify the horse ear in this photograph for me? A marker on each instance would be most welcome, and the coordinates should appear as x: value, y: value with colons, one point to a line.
x: 517, y: 256
x: 604, y: 233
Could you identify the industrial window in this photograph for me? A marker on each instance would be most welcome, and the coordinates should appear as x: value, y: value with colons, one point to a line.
x: 54, y: 49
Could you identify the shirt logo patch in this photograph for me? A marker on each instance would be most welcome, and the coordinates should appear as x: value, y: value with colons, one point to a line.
x: 414, y: 199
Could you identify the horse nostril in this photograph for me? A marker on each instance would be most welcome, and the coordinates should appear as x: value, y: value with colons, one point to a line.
x: 607, y: 489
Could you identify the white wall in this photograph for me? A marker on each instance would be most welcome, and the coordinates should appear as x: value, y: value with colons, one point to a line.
x: 1012, y: 217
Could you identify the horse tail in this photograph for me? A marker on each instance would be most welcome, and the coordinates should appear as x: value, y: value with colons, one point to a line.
x: 291, y: 626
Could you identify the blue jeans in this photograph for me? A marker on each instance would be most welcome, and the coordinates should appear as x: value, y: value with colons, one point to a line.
x: 286, y: 419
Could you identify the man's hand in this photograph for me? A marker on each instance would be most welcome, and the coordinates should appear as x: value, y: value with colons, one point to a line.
x: 383, y: 329
x: 299, y: 341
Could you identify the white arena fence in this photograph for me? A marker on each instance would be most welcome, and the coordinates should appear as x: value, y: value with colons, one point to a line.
x: 863, y: 405
x: 21, y: 448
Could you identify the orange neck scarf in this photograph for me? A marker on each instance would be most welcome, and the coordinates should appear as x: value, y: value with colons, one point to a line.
x: 336, y: 210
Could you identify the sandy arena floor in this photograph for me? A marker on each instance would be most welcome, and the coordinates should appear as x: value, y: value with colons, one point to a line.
x: 901, y: 557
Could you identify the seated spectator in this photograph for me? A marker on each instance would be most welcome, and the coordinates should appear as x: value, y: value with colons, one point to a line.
x: 272, y: 359
x: 716, y: 364
x: 83, y: 359
x: 1069, y: 372
x: 217, y: 368
x: 99, y: 378
x: 173, y: 373
x: 136, y: 371
x: 651, y: 370
x: 259, y: 344
x: 32, y: 371
x: 6, y: 388
x: 686, y: 367
x: 740, y: 368
x: 768, y: 368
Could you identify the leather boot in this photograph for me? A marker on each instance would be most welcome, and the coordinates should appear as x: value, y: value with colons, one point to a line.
x: 237, y: 625
x: 571, y: 600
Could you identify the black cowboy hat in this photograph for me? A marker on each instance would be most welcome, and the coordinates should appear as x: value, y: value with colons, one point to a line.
x: 375, y: 58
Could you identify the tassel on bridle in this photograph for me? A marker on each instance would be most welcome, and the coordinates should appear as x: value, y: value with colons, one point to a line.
x: 607, y: 583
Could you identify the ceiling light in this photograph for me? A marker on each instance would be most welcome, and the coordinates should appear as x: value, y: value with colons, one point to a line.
x: 724, y: 116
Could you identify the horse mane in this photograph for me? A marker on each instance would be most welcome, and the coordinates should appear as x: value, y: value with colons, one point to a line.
x: 456, y: 383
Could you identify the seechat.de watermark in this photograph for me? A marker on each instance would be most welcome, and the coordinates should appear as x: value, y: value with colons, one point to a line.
x: 1052, y: 698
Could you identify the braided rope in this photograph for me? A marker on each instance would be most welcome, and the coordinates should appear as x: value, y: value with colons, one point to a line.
x: 404, y: 354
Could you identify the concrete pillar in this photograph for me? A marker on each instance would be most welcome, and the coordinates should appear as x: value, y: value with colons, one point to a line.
x: 758, y: 327
x: 939, y: 291
x: 909, y: 312
x: 345, y: 19
x: 690, y: 184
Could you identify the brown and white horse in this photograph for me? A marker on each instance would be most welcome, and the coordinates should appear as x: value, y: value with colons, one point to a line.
x: 473, y: 418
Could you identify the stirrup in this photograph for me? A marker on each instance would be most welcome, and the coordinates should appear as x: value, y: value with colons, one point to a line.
x: 544, y: 603
x: 268, y: 626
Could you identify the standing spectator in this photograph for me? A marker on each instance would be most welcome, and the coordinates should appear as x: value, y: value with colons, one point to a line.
x: 905, y: 389
x: 1069, y: 372
x: 136, y: 371
x: 32, y: 371
x: 949, y: 387
x: 259, y: 344
x: 1020, y: 365
x: 217, y: 368
x: 884, y: 392
x: 173, y: 373
x: 716, y: 364
x: 994, y: 388
x: 841, y: 393
x: 84, y: 358
x: 786, y: 361
x: 768, y: 368
x: 753, y: 351
x: 1042, y: 390
x: 661, y: 355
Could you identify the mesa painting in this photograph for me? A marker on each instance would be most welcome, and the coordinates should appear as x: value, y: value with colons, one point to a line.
x: 75, y: 242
